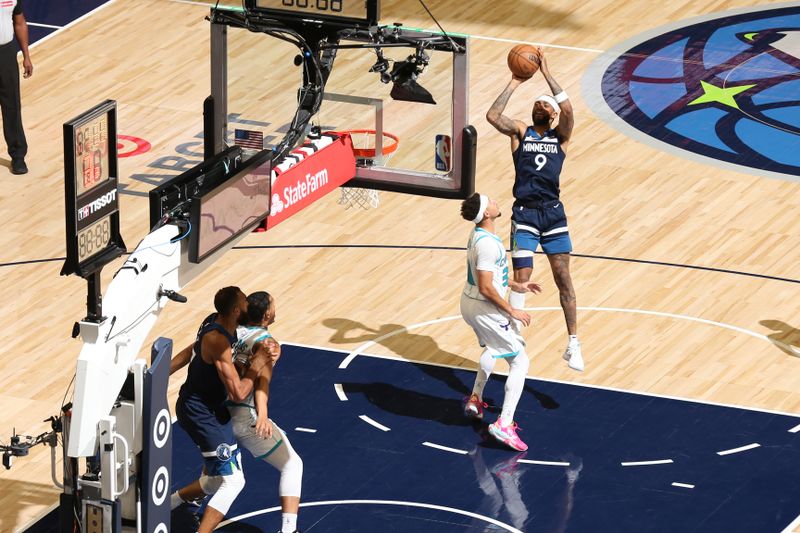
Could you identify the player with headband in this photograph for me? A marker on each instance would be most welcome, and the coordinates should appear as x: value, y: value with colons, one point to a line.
x: 538, y: 215
x: 495, y: 322
x: 251, y: 423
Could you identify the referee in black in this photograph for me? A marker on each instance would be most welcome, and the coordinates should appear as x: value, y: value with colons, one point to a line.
x: 13, y: 24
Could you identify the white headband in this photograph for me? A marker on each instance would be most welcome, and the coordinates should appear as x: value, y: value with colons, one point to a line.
x: 550, y: 100
x: 481, y: 210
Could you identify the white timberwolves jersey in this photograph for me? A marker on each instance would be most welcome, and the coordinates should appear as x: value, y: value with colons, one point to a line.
x: 485, y: 251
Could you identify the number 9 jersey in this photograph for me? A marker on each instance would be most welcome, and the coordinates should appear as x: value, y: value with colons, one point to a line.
x: 538, y: 161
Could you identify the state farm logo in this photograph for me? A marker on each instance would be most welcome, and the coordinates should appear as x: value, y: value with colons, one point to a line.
x: 276, y: 206
x: 299, y: 191
x: 96, y: 205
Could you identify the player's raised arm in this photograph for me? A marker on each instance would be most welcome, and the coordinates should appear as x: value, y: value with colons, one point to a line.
x: 566, y: 116
x: 506, y: 125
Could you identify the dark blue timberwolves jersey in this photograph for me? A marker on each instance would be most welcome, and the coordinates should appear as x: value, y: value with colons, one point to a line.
x: 203, y: 381
x: 538, y: 161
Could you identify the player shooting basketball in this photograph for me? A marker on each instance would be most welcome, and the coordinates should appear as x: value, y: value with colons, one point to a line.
x: 538, y: 214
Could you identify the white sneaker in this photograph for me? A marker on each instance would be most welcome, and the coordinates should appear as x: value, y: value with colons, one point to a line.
x: 573, y: 356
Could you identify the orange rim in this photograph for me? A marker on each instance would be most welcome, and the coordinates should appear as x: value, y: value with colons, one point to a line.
x: 370, y: 152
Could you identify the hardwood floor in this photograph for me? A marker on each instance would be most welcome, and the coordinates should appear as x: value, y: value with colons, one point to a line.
x: 640, y: 219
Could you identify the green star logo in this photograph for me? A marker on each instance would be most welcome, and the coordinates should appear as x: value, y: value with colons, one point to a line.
x: 723, y: 95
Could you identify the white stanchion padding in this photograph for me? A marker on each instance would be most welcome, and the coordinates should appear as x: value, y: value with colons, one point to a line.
x: 131, y: 307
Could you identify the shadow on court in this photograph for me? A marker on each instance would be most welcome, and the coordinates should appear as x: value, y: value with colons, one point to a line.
x: 786, y: 338
x: 350, y: 331
x: 401, y: 343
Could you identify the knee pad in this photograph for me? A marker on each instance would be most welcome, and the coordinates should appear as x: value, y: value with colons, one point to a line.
x: 291, y: 483
x: 522, y: 259
x: 210, y: 484
x: 229, y: 488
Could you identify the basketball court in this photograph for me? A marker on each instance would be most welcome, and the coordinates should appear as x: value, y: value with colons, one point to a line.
x: 682, y: 209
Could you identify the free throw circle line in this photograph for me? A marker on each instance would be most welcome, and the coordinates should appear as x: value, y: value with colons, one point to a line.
x: 361, y: 349
x: 398, y: 503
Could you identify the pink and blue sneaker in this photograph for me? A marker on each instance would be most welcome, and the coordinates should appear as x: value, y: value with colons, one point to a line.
x: 507, y: 435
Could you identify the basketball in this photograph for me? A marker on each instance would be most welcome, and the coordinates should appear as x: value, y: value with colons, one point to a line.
x: 523, y: 60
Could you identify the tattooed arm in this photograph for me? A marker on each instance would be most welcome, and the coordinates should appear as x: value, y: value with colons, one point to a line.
x: 566, y: 117
x: 515, y: 129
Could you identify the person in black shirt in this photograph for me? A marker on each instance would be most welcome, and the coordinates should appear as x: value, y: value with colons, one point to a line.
x: 13, y: 24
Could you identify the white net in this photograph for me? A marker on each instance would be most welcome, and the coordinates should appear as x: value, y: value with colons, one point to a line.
x: 356, y: 196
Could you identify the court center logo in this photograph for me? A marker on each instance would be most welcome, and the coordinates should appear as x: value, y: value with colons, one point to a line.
x: 726, y: 88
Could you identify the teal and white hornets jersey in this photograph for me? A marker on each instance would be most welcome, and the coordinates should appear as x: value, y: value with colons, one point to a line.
x: 248, y: 337
x: 485, y: 251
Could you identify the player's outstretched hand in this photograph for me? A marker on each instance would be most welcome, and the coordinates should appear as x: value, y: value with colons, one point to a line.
x: 527, y: 286
x: 522, y: 316
x: 263, y: 427
x: 532, y: 286
x: 542, y: 62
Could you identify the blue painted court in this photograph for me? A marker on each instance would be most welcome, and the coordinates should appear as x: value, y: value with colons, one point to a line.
x: 688, y: 466
x: 46, y: 16
x: 368, y: 479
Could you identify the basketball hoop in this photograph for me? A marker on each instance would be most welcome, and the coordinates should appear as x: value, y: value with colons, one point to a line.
x: 365, y: 149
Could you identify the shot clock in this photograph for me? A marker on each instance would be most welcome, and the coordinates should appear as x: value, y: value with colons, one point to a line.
x: 364, y: 12
x: 91, y: 191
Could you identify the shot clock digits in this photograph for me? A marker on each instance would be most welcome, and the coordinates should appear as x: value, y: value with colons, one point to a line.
x: 359, y: 11
x: 91, y: 154
x: 91, y: 191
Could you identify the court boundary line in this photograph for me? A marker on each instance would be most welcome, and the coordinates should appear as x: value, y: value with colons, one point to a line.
x: 72, y: 23
x: 793, y: 525
x: 43, y: 25
x: 33, y: 521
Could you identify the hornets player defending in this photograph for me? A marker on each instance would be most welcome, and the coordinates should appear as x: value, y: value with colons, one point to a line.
x: 538, y: 215
x: 495, y: 322
x: 251, y: 423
